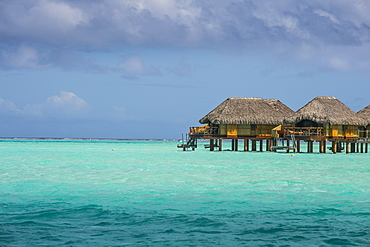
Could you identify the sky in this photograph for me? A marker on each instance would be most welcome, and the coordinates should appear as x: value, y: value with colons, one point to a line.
x: 145, y: 69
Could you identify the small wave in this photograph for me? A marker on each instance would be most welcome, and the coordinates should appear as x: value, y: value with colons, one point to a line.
x: 338, y: 241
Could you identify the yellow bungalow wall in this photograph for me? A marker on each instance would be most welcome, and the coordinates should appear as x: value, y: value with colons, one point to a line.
x: 234, y: 130
x: 338, y: 130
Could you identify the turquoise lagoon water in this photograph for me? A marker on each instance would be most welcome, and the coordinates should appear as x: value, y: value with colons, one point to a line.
x: 148, y: 193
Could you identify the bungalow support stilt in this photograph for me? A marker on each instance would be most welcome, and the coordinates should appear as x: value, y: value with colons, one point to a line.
x: 348, y: 149
x: 220, y: 145
x: 334, y: 147
x: 246, y: 144
x: 268, y: 144
x: 261, y: 145
x: 211, y: 145
x: 236, y: 144
x: 298, y: 146
x: 288, y: 144
x: 254, y: 145
x: 322, y: 148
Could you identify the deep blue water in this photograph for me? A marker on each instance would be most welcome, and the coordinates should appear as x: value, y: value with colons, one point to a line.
x: 136, y: 193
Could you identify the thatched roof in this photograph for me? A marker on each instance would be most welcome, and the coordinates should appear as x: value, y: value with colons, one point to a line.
x: 326, y: 110
x: 238, y: 110
x: 365, y: 114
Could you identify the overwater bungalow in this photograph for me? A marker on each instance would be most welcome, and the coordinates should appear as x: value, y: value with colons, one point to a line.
x: 365, y: 114
x: 324, y: 119
x: 241, y: 118
x: 268, y: 121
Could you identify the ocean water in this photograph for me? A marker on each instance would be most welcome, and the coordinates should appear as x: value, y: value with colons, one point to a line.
x: 149, y: 193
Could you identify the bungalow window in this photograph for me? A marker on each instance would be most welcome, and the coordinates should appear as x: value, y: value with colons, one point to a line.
x: 253, y: 126
x: 344, y: 127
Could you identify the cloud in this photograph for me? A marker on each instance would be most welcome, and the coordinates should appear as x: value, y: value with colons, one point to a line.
x: 285, y: 29
x: 8, y: 108
x: 67, y: 105
x: 23, y: 57
x: 133, y: 66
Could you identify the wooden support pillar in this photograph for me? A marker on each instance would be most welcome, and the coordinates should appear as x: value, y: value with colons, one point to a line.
x: 362, y: 147
x: 348, y: 149
x: 334, y: 147
x: 268, y: 144
x: 261, y: 145
x: 254, y: 145
x: 321, y: 143
x: 232, y: 145
x: 366, y: 147
x: 236, y: 144
x: 288, y: 144
x: 220, y: 145
x: 353, y: 147
x: 298, y: 146
x: 309, y: 146
x: 211, y: 145
x: 339, y: 147
x: 246, y: 144
x: 273, y: 143
x: 324, y: 146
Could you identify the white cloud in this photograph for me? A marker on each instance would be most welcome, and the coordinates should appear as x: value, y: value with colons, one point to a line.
x: 45, y: 16
x: 133, y: 65
x: 24, y: 57
x: 66, y: 105
x: 326, y: 14
x: 8, y: 108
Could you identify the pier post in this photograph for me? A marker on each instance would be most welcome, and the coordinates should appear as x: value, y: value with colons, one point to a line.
x: 288, y: 144
x: 254, y: 145
x: 339, y: 147
x: 236, y: 144
x: 353, y: 147
x: 232, y: 145
x: 309, y: 146
x: 220, y: 145
x: 348, y: 150
x: 268, y: 144
x: 298, y: 146
x: 362, y: 147
x: 357, y: 147
x: 246, y: 144
x: 261, y: 145
x: 321, y: 146
x: 334, y: 146
x: 211, y: 145
x: 366, y: 147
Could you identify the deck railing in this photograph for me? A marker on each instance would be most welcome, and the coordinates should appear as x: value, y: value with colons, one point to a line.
x: 203, y: 130
x: 304, y: 131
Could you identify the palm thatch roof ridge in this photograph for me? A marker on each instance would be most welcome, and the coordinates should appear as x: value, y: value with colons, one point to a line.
x: 323, y: 109
x: 365, y: 114
x: 248, y: 110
